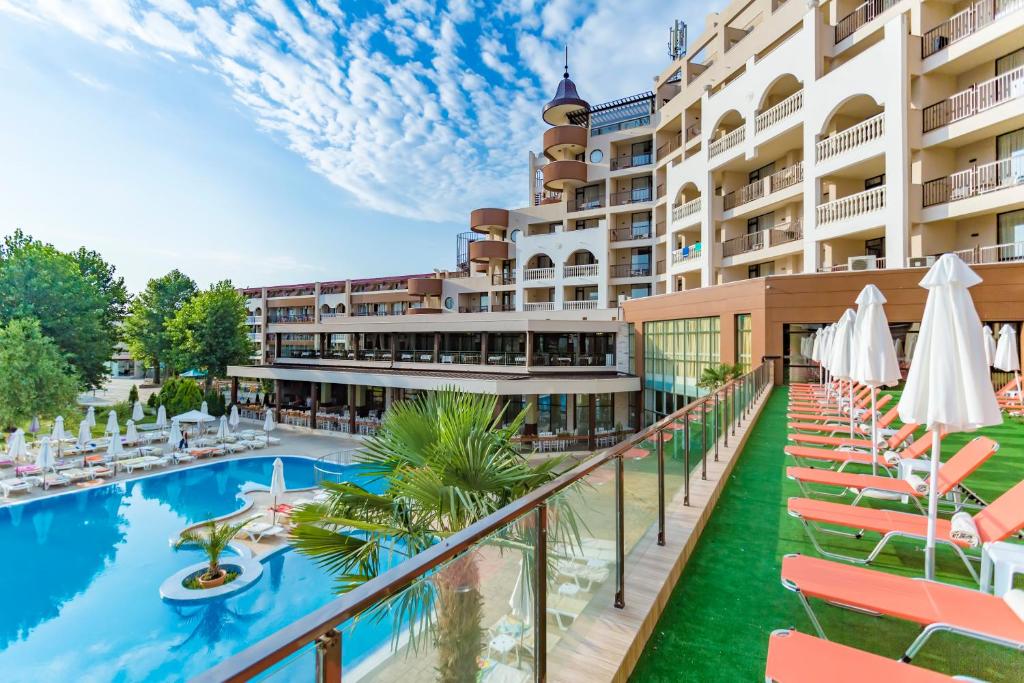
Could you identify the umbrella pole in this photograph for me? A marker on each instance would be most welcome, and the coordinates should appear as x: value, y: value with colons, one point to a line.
x: 1020, y: 397
x: 933, y: 504
x: 850, y: 384
x: 874, y: 435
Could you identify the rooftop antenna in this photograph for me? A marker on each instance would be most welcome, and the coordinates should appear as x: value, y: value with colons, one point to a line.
x: 677, y: 40
x: 566, y: 74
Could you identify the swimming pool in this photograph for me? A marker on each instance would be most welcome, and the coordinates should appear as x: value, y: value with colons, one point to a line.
x: 81, y: 576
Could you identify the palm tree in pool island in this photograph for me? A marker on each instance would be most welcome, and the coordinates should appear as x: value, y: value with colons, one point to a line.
x: 446, y: 462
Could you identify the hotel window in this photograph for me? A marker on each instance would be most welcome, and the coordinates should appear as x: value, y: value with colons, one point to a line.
x: 876, y: 181
x: 1010, y: 231
x: 552, y: 414
x: 604, y: 413
x: 761, y: 173
x: 589, y: 197
x: 1010, y: 62
x: 639, y: 291
x: 744, y: 341
x: 640, y: 227
x: 761, y: 270
x: 875, y: 247
x: 676, y: 352
x: 641, y: 189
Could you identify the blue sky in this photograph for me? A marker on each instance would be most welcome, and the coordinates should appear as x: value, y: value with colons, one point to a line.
x: 273, y: 141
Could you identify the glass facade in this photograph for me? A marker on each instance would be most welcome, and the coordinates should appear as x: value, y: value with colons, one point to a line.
x: 675, y: 354
x: 744, y: 341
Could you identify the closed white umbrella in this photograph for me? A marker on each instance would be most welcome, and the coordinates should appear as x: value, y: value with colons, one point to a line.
x: 44, y: 458
x: 84, y: 433
x: 277, y: 483
x: 948, y: 387
x: 137, y: 412
x: 521, y: 601
x: 990, y: 345
x: 33, y: 427
x: 1007, y: 356
x: 114, y: 447
x: 161, y: 418
x: 841, y: 355
x: 90, y: 415
x: 235, y: 419
x: 874, y: 355
x: 112, y: 426
x: 222, y: 428
x: 204, y: 408
x: 131, y: 434
x: 175, y: 438
x: 268, y: 424
x: 816, y: 353
x: 17, y: 449
x: 57, y: 436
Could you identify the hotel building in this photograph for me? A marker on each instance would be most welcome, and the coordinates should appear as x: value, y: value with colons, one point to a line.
x: 794, y: 139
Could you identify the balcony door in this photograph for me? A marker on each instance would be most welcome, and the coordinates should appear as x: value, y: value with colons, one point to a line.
x: 1010, y: 231
x: 641, y: 189
x: 641, y: 153
x: 756, y: 227
x: 640, y: 227
x: 760, y: 173
x: 1010, y: 159
x: 588, y: 197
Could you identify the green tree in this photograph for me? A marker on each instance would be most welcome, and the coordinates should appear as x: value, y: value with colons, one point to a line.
x: 180, y: 396
x: 209, y: 332
x: 213, y: 542
x: 103, y: 277
x: 38, y: 281
x: 715, y: 376
x: 145, y: 328
x: 447, y: 462
x: 34, y: 377
x: 133, y: 394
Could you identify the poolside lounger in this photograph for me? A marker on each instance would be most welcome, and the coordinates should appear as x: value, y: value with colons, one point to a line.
x: 902, y: 435
x: 180, y: 457
x: 824, y: 421
x: 76, y: 474
x: 858, y: 451
x: 832, y: 416
x: 938, y: 607
x: 565, y: 608
x: 257, y: 530
x: 583, y: 574
x: 951, y: 475
x: 795, y: 657
x: 1001, y: 518
x: 15, y: 484
x: 27, y: 470
x: 254, y: 443
x: 234, y: 447
x: 201, y: 452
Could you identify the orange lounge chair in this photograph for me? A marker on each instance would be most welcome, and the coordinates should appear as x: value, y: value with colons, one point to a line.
x: 883, y: 421
x: 818, y: 405
x: 845, y: 441
x: 795, y: 657
x: 858, y: 451
x: 938, y: 607
x: 1001, y: 518
x: 951, y: 475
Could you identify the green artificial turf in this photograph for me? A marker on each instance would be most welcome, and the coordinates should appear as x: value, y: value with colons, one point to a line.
x: 729, y: 597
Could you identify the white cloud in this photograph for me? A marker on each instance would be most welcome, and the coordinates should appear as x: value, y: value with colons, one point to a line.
x: 407, y: 107
x: 91, y: 81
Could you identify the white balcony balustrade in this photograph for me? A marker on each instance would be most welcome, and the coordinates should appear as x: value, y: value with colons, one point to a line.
x: 974, y: 100
x: 727, y: 142
x: 780, y: 180
x: 582, y: 305
x: 686, y: 210
x: 531, y: 274
x: 965, y: 23
x: 852, y: 206
x: 851, y: 138
x: 539, y: 306
x: 690, y: 252
x: 997, y: 175
x: 779, y: 112
x: 586, y: 270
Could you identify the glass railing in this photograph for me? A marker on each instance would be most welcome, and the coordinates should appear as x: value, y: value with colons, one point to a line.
x: 471, y: 603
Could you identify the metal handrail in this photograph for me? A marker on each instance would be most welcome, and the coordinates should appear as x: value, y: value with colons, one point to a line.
x: 319, y: 626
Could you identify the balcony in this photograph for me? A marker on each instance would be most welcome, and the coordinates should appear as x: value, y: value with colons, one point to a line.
x: 254, y: 320
x: 756, y: 241
x: 427, y: 286
x: 634, y: 196
x: 543, y: 198
x: 531, y: 274
x: 692, y: 131
x: 625, y: 161
x: 500, y: 279
x: 777, y: 181
x: 995, y: 253
x: 691, y: 252
x: 779, y: 112
x: 861, y: 16
x: 965, y: 23
x: 976, y: 99
x: 574, y: 205
x: 539, y: 306
x: 486, y: 220
x: 638, y: 231
x: 631, y: 270
x: 585, y: 270
x: 851, y: 206
x: 875, y: 264
x: 997, y: 175
x: 290, y: 319
x: 727, y: 142
x: 686, y: 210
x: 851, y: 138
x: 482, y: 251
x: 581, y: 305
x: 564, y: 175
x: 570, y: 359
x: 565, y: 141
x: 255, y: 336
x: 673, y: 143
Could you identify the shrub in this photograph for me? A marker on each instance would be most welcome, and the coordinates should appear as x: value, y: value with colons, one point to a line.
x: 133, y: 394
x: 215, y: 403
x: 154, y: 400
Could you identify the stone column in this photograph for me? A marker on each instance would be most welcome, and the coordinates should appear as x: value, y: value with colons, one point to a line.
x: 351, y: 408
x: 530, y: 426
x: 437, y: 347
x: 529, y: 349
x: 592, y: 419
x: 389, y: 398
x: 234, y: 390
x: 278, y: 398
x: 314, y: 403
x: 483, y: 348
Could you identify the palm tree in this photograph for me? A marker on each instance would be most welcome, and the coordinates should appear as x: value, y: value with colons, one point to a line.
x: 447, y: 462
x: 213, y: 542
x: 715, y: 376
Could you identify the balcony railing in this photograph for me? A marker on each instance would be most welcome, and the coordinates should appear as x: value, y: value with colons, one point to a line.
x: 539, y: 306
x: 684, y: 210
x: 780, y: 111
x: 997, y: 175
x: 634, y: 196
x: 690, y: 252
x: 852, y: 205
x: 475, y: 309
x: 286, y: 319
x: 861, y: 16
x: 727, y: 142
x: 779, y: 180
x: 255, y: 336
x: 630, y: 270
x: 254, y: 320
x: 531, y: 274
x: 570, y: 359
x: 546, y: 197
x: 976, y: 99
x: 629, y: 161
x: 584, y: 270
x: 498, y: 279
x: 692, y: 131
x: 580, y: 305
x: 310, y: 647
x: 506, y: 358
x: 852, y: 137
x: 637, y: 231
x: 843, y: 267
x: 584, y: 205
x: 962, y: 24
x: 671, y: 145
x: 994, y: 253
x: 755, y: 241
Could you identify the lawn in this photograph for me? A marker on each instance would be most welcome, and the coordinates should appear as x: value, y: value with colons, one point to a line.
x: 729, y: 597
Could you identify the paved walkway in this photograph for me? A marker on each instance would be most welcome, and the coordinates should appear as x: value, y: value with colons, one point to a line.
x: 115, y: 391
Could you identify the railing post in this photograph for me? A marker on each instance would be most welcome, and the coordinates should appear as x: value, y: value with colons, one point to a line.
x: 686, y: 459
x: 328, y: 657
x: 717, y: 422
x: 540, y: 595
x: 661, y: 488
x: 620, y: 539
x: 733, y: 417
x: 704, y: 440
x: 725, y: 415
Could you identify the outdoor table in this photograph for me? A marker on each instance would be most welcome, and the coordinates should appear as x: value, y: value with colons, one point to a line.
x: 1005, y: 560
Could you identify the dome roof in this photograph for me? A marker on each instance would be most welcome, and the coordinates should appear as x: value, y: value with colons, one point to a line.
x: 566, y: 100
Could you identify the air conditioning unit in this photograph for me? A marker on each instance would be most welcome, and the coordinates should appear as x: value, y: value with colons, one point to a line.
x: 920, y: 261
x: 862, y: 263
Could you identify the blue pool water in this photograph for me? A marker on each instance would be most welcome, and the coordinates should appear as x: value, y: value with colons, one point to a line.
x: 81, y: 575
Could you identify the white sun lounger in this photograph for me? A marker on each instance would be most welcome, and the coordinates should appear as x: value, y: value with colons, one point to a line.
x: 257, y: 530
x: 13, y: 485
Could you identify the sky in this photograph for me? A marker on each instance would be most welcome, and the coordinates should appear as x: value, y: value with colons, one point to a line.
x: 283, y: 141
